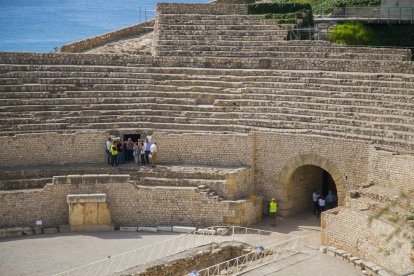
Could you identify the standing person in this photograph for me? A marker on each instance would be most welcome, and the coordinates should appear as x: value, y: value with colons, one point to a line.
x: 142, y: 153
x: 147, y: 147
x: 129, y: 150
x: 136, y: 153
x: 315, y: 198
x: 330, y: 200
x: 153, y: 150
x: 114, y: 154
x: 321, y: 204
x: 272, y: 211
x: 107, y: 149
x: 121, y: 157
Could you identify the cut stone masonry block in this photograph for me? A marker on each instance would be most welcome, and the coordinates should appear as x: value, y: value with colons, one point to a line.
x: 128, y: 229
x: 147, y: 229
x: 183, y: 229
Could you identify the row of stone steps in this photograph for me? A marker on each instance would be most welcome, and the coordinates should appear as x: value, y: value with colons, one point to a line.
x: 21, y: 70
x: 241, y: 52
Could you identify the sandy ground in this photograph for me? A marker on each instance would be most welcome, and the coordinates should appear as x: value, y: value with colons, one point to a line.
x: 50, y: 254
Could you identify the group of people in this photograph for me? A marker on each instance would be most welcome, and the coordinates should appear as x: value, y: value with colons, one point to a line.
x: 321, y: 203
x: 141, y: 152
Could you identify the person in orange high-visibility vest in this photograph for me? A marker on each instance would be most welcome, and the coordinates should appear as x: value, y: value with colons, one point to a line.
x: 273, y: 211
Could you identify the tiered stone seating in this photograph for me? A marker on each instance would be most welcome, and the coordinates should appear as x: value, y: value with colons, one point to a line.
x: 362, y: 106
x: 217, y: 183
x: 36, y: 177
x: 223, y: 183
x: 253, y: 36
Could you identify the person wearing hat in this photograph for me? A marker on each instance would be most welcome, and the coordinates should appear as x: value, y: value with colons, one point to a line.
x: 272, y: 211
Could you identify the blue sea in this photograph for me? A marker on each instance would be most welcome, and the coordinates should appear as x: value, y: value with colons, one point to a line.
x: 42, y: 25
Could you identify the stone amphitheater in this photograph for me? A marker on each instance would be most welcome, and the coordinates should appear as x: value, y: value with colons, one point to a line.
x: 236, y: 110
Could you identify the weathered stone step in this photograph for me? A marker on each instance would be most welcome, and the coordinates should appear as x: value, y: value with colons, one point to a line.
x: 37, y: 87
x: 281, y: 46
x: 274, y: 54
x: 240, y: 37
x: 250, y: 25
x: 264, y: 31
x: 94, y: 81
x: 60, y: 102
x: 194, y: 172
x: 18, y: 184
x: 312, y: 95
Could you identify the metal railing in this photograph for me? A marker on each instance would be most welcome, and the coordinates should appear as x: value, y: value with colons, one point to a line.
x: 375, y: 14
x: 260, y: 257
x: 156, y: 251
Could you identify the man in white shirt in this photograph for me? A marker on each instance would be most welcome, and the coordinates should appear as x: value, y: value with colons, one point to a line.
x: 108, y: 147
x: 153, y: 150
x: 321, y: 204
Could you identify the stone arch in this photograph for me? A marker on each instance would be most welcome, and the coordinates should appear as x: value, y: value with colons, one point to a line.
x: 288, y: 171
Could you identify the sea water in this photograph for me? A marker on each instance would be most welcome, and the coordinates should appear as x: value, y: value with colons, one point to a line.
x: 42, y: 25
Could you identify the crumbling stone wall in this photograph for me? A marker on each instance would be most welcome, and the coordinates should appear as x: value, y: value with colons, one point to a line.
x: 350, y: 230
x: 92, y: 42
x: 391, y: 170
x: 129, y: 205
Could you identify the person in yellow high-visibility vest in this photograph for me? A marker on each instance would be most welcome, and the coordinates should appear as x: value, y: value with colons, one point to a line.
x: 273, y: 211
x: 114, y: 154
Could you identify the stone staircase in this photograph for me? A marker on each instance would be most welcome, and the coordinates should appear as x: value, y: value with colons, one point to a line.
x: 218, y: 182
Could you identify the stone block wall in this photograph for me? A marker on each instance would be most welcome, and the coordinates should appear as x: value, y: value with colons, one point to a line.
x: 390, y: 170
x: 278, y: 156
x: 87, y: 44
x: 71, y: 59
x: 53, y: 148
x: 343, y: 65
x: 348, y: 229
x: 129, y: 205
x: 230, y: 150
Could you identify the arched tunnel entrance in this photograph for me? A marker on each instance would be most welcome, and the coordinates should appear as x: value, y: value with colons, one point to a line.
x: 305, y: 180
x: 304, y: 174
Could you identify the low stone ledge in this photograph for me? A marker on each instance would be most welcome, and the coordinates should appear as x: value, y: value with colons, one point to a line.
x: 165, y: 228
x: 64, y: 228
x: 92, y: 228
x: 28, y: 231
x: 183, y: 229
x: 148, y: 229
x: 3, y: 233
x: 86, y: 198
x: 50, y: 230
x: 14, y: 232
x: 91, y: 179
x: 204, y: 231
x: 128, y: 229
x: 367, y: 267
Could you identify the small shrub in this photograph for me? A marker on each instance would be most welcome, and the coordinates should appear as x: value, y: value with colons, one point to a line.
x: 352, y: 34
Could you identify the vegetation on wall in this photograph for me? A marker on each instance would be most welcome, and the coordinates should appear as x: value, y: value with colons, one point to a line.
x: 352, y: 34
x: 321, y: 7
x: 373, y: 35
x: 286, y: 12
